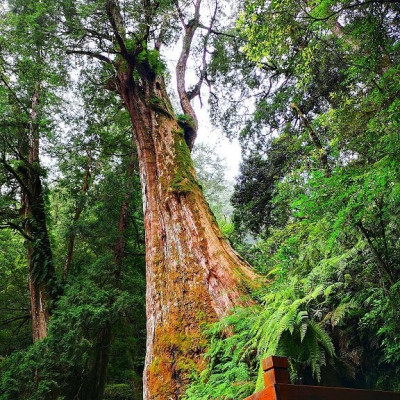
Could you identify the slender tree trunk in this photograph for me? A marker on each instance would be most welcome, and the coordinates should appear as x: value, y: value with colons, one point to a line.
x: 193, y: 275
x: 94, y: 386
x: 123, y: 222
x: 385, y: 268
x: 39, y: 256
x: 40, y: 265
x: 78, y: 212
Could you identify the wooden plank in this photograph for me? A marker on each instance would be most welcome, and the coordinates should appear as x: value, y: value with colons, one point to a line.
x: 274, y: 362
x: 304, y: 392
x: 265, y: 394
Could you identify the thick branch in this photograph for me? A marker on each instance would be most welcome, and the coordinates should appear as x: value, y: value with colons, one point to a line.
x: 12, y: 171
x: 184, y: 96
x: 190, y: 29
x: 115, y: 18
x: 90, y: 54
x: 11, y: 225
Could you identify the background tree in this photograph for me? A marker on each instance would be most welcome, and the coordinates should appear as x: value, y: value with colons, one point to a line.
x: 97, y: 331
x: 211, y: 168
x: 27, y: 90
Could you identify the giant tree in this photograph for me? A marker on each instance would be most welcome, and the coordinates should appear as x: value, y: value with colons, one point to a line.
x: 193, y: 275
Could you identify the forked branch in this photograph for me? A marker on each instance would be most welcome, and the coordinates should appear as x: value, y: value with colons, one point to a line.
x: 185, y: 97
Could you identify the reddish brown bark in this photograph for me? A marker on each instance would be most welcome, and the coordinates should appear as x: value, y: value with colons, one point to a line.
x: 190, y: 29
x: 193, y: 275
x: 185, y: 97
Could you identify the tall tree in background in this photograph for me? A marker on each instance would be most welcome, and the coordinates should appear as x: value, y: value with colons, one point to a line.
x: 97, y: 330
x: 338, y: 61
x: 193, y: 275
x: 101, y: 187
x: 25, y: 85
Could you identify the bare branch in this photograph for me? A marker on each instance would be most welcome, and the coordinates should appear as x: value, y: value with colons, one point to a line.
x: 196, y: 90
x: 218, y: 33
x: 90, y: 54
x: 190, y: 29
x: 180, y: 13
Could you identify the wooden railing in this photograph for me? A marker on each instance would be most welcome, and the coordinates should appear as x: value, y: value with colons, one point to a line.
x: 278, y: 387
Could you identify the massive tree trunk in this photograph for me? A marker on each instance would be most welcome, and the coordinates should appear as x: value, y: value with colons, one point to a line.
x: 193, y: 275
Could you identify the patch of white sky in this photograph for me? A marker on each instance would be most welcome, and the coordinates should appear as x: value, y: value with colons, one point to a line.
x: 208, y: 134
x: 228, y: 149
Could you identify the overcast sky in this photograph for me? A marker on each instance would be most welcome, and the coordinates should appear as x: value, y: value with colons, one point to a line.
x: 208, y: 134
x: 229, y: 150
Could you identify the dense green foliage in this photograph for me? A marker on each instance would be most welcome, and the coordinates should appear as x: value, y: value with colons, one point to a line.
x: 319, y: 190
x: 314, y: 87
x: 98, y: 321
x: 95, y: 302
